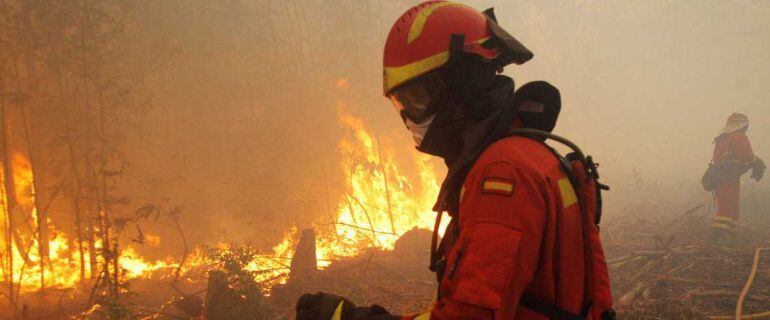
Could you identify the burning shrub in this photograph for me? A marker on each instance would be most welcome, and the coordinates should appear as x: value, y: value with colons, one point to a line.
x: 233, y: 292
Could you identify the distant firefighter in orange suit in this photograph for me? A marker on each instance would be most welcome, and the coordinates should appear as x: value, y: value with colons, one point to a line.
x: 733, y: 157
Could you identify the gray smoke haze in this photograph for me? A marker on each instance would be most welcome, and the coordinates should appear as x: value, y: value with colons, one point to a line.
x: 244, y: 129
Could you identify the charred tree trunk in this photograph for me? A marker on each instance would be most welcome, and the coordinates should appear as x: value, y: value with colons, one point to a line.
x: 9, y: 199
x: 106, y: 252
x: 23, y: 246
x: 186, y: 249
x: 79, y: 236
x: 116, y: 269
x: 101, y: 183
x: 32, y: 94
x: 70, y: 140
x: 94, y: 214
x: 41, y: 219
x: 91, y: 232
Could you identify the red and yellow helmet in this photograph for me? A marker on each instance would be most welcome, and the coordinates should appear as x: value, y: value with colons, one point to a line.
x: 735, y: 122
x: 419, y: 41
x: 737, y: 118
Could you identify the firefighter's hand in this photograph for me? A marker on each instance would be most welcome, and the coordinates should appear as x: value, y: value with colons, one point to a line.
x: 758, y: 170
x: 324, y: 306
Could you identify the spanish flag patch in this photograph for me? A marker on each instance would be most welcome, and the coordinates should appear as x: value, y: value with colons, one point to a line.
x: 500, y: 186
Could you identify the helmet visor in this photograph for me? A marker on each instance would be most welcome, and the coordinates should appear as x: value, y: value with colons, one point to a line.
x: 415, y: 100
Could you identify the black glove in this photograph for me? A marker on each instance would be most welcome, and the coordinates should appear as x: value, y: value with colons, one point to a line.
x: 322, y: 306
x: 758, y: 169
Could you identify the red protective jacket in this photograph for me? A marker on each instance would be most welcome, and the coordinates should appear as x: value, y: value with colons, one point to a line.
x: 521, y: 231
x: 735, y: 148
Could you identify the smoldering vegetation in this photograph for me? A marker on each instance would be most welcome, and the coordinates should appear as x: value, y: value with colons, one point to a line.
x: 147, y: 143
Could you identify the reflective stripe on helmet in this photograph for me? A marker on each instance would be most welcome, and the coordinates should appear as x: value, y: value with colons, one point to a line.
x: 419, y: 41
x: 419, y: 22
x: 394, y: 76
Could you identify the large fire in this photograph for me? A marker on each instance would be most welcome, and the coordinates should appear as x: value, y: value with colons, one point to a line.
x: 380, y: 203
x: 62, y: 268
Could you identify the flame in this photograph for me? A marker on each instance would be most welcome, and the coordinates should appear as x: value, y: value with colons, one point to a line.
x: 381, y: 202
x: 135, y: 266
x: 62, y: 269
x: 152, y: 241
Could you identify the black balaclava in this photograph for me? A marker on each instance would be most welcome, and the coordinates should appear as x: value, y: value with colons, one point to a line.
x: 475, y: 110
x: 467, y: 79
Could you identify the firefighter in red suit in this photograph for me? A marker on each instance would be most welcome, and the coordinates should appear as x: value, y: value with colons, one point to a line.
x: 734, y: 157
x: 523, y: 240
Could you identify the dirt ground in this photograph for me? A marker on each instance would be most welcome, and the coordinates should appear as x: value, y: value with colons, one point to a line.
x: 660, y: 269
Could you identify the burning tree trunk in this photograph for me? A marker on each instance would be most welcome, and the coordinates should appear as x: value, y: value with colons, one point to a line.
x: 32, y: 94
x: 106, y: 253
x: 115, y: 269
x: 88, y: 156
x: 91, y: 232
x: 9, y: 197
x: 41, y: 217
x: 79, y: 236
x: 175, y: 217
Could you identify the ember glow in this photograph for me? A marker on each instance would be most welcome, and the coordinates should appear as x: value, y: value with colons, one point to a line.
x: 380, y: 203
x: 62, y: 269
x: 25, y: 251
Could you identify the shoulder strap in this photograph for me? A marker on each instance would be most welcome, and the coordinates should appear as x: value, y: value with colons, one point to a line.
x: 547, y: 309
x: 528, y: 301
x: 589, y: 165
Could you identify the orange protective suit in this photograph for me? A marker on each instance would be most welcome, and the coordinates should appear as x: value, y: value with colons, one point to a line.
x: 520, y: 232
x: 735, y: 148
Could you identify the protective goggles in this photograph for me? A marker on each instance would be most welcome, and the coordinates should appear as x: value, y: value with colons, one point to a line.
x: 416, y: 100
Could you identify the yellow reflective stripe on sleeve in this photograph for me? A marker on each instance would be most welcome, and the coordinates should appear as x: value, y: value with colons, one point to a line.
x: 462, y: 193
x: 491, y: 185
x: 723, y: 219
x: 719, y: 225
x: 433, y: 303
x: 422, y: 316
x: 338, y: 312
x: 568, y: 196
x: 419, y: 22
x: 426, y: 315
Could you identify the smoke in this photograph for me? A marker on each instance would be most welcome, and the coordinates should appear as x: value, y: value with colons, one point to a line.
x: 646, y: 86
x: 244, y: 129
